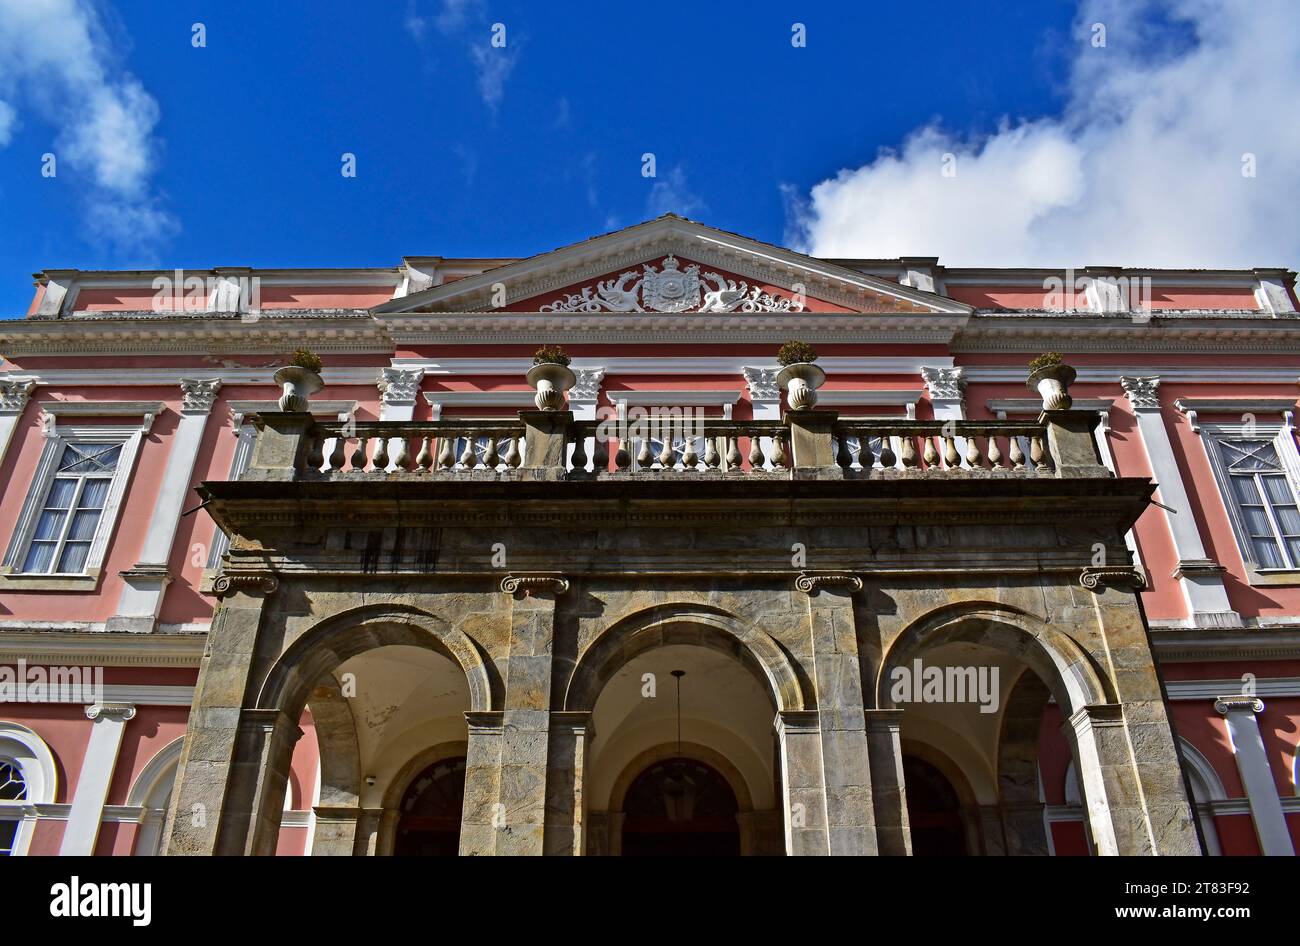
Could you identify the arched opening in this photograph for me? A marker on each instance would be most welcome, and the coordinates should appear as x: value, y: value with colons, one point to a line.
x: 933, y: 811
x: 430, y: 812
x: 680, y: 807
x: 736, y: 680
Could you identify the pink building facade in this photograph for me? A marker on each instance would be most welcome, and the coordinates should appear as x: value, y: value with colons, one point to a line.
x: 122, y: 392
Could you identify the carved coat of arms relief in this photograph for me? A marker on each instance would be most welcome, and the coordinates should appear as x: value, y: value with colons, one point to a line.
x: 672, y: 289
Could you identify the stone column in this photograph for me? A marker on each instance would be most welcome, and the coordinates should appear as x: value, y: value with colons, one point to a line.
x: 482, y: 815
x: 1023, y: 829
x: 369, y: 830
x: 846, y: 766
x: 82, y: 830
x: 889, y: 793
x: 199, y: 798
x: 1140, y: 776
x: 1256, y: 775
x: 566, y: 760
x: 259, y: 774
x: 803, y: 791
x: 337, y: 831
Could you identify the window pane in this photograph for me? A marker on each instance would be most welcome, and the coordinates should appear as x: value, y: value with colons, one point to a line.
x: 83, y: 525
x: 90, y: 458
x: 94, y: 494
x: 1244, y: 490
x: 1293, y: 547
x: 61, y: 493
x: 1288, y: 518
x: 8, y: 832
x: 1256, y: 521
x: 1279, y: 490
x: 74, y: 557
x: 39, y: 557
x: 13, y: 787
x: 1267, y: 554
x: 49, y: 524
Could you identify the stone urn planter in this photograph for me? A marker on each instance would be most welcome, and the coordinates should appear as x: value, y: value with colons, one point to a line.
x: 1051, y: 378
x: 800, y: 382
x: 550, y: 381
x: 298, y: 384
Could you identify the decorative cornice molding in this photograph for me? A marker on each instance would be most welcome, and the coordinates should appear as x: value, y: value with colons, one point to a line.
x: 248, y: 583
x: 540, y: 581
x: 198, y: 396
x: 762, y: 383
x: 1124, y: 577
x: 812, y: 582
x: 944, y: 384
x: 1142, y: 393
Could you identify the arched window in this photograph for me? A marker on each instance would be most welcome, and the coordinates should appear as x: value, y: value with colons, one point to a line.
x: 28, y: 777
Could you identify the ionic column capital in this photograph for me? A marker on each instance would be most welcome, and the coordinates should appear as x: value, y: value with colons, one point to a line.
x: 116, y: 712
x: 1238, y: 704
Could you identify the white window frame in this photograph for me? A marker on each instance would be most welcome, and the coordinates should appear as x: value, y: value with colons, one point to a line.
x: 1281, y: 435
x: 57, y: 436
x: 23, y: 746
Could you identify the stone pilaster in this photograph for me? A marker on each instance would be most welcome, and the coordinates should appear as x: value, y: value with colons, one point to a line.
x: 804, y: 795
x: 199, y: 799
x: 483, y: 814
x: 336, y: 832
x: 889, y: 793
x: 1240, y: 713
x: 566, y: 761
x: 846, y: 768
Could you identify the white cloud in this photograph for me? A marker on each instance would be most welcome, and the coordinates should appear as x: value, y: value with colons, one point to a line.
x: 57, y: 60
x: 670, y: 194
x: 1143, y: 167
x: 468, y: 19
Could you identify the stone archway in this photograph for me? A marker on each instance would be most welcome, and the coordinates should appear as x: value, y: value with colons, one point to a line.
x: 736, y: 739
x: 250, y: 819
x: 1020, y: 808
x: 1096, y: 722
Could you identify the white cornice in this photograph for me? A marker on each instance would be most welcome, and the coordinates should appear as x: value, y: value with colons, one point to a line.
x: 677, y: 398
x: 479, y: 398
x: 1034, y: 405
x: 1264, y: 687
x: 1106, y: 374
x: 76, y: 648
x: 668, y: 366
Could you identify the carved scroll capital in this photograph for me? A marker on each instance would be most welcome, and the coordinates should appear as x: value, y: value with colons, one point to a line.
x: 809, y: 582
x: 553, y: 582
x: 1099, y: 579
x: 252, y: 583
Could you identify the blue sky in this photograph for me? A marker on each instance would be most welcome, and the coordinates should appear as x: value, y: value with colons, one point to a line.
x: 230, y: 154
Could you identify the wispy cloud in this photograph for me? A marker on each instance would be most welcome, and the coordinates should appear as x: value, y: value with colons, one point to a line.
x: 59, y: 65
x: 1144, y: 166
x: 467, y: 21
x: 670, y: 194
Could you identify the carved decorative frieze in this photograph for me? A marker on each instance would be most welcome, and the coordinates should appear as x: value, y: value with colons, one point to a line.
x: 587, y: 387
x: 809, y: 582
x: 944, y: 384
x: 198, y: 396
x: 399, y: 386
x: 1143, y: 393
x: 229, y: 584
x: 672, y: 289
x: 553, y: 582
x: 762, y: 383
x: 14, y: 395
x: 1112, y: 576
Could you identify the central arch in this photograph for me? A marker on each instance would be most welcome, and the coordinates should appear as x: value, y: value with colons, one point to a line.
x: 688, y: 624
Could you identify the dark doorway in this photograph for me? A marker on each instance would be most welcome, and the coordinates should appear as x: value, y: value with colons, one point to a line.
x: 680, y: 808
x: 430, y: 820
x: 933, y: 810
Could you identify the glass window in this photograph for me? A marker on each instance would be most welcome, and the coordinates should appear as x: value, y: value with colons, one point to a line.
x: 1265, y: 501
x: 73, y: 508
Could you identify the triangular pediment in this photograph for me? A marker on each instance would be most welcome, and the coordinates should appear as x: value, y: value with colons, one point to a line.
x: 672, y: 265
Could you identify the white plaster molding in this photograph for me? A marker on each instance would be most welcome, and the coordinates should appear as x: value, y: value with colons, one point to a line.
x: 1193, y: 406
x: 1143, y: 393
x: 674, y: 398
x: 398, y: 387
x: 944, y: 383
x: 587, y: 387
x: 1212, y: 689
x: 14, y: 394
x: 77, y: 645
x: 762, y: 382
x: 198, y: 395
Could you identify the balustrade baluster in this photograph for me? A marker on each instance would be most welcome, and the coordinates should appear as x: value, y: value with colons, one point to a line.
x: 316, y: 454
x: 712, y: 459
x: 1037, y: 453
x: 995, y: 452
x: 779, y: 449
x: 446, y: 451
x: 908, y: 442
x: 689, y: 457
x: 380, y: 459
x: 756, y: 458
x: 844, y: 456
x: 888, y: 459
x: 338, y: 456
x: 579, y: 452
x: 644, y: 460
x: 467, y: 459
x: 951, y: 458
x: 666, y: 458
x: 424, y: 459
x: 600, y: 455
x: 973, y: 455
x: 1017, y: 455
x: 931, y: 456
x: 512, y: 458
x: 403, y: 458
x: 359, y: 455
x: 733, y: 453
x: 490, y: 456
